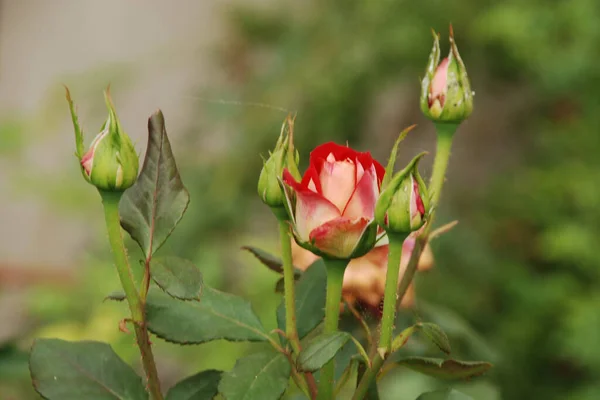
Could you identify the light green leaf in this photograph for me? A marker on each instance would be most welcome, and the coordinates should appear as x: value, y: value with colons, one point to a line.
x: 436, y: 335
x: 201, y: 386
x: 154, y: 205
x: 311, y: 290
x: 62, y: 370
x: 320, y: 350
x: 177, y: 277
x: 389, y: 169
x: 445, y: 369
x: 444, y: 394
x: 217, y: 315
x: 263, y: 376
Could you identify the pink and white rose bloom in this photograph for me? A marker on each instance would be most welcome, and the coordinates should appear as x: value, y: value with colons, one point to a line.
x: 333, y: 206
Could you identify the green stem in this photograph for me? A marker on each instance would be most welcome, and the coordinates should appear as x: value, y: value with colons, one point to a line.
x: 288, y: 283
x: 335, y: 278
x: 110, y: 201
x: 391, y: 286
x: 445, y: 132
x: 368, y: 378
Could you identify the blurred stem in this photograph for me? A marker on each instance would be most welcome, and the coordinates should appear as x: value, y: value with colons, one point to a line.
x: 391, y: 287
x: 335, y: 278
x: 110, y: 201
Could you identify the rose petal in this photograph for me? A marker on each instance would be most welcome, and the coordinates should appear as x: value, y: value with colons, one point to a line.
x: 338, y: 180
x: 362, y: 202
x: 438, y: 83
x: 339, y: 237
x: 302, y: 258
x: 312, y: 209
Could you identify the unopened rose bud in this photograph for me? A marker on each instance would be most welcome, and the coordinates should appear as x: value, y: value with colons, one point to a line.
x: 403, y: 205
x: 283, y: 156
x: 111, y: 163
x: 446, y: 94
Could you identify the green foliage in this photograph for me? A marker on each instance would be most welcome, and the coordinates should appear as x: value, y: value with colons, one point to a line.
x: 445, y: 369
x: 152, y: 208
x: 201, y: 386
x: 310, y: 299
x: 217, y: 315
x: 177, y: 277
x: 320, y: 350
x: 62, y: 370
x: 262, y: 376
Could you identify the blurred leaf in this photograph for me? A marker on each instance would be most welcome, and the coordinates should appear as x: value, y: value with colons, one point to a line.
x: 320, y: 350
x: 444, y: 394
x: 270, y: 261
x: 261, y: 376
x: 177, y: 277
x: 201, y: 386
x: 116, y: 296
x: 267, y: 259
x: 445, y: 369
x: 280, y: 286
x: 64, y: 370
x: 436, y: 335
x: 154, y: 205
x: 217, y: 315
x: 310, y: 299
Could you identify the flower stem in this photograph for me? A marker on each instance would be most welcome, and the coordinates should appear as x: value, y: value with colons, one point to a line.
x: 445, y: 132
x: 110, y: 201
x: 335, y: 278
x: 289, y: 288
x: 391, y: 286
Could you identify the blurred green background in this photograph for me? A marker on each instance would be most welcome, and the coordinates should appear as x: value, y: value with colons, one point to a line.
x: 517, y: 282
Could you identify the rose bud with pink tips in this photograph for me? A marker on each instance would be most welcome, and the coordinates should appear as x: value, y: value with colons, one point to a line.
x: 111, y: 163
x: 446, y: 94
x: 332, y: 209
x: 403, y: 206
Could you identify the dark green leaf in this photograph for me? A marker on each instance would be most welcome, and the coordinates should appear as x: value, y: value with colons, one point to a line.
x: 310, y: 299
x: 280, y: 286
x: 444, y: 394
x: 261, y: 376
x: 267, y: 259
x: 445, y: 369
x: 217, y: 315
x: 201, y: 386
x: 436, y: 335
x: 270, y: 261
x: 153, y: 206
x: 116, y: 296
x: 320, y: 350
x: 177, y: 277
x: 64, y: 370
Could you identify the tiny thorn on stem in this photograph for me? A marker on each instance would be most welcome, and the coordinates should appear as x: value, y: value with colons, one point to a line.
x: 123, y: 325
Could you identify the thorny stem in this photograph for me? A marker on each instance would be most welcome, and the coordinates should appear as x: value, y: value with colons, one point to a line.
x: 335, y: 278
x: 291, y: 330
x: 110, y: 201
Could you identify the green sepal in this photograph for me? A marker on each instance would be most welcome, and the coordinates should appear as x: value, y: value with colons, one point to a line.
x: 432, y: 64
x: 79, y: 146
x: 389, y: 169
